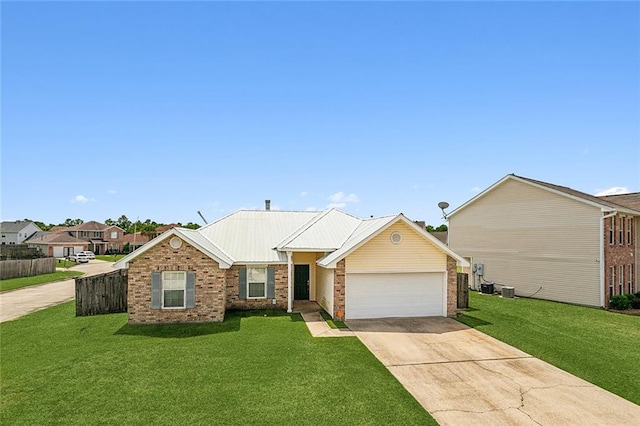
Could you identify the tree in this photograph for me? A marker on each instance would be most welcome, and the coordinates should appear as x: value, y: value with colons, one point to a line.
x: 110, y: 222
x: 124, y: 223
x: 192, y: 225
x: 441, y: 228
x: 41, y: 225
x: 72, y: 222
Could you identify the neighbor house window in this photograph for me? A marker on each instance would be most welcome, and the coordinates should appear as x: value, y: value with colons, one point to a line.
x: 612, y: 279
x: 256, y: 283
x: 630, y: 279
x: 621, y: 280
x: 621, y: 231
x: 612, y: 231
x: 629, y: 230
x: 174, y: 286
x: 114, y: 235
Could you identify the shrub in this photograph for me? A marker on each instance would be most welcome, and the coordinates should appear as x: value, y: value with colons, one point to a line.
x: 619, y: 302
x: 634, y: 299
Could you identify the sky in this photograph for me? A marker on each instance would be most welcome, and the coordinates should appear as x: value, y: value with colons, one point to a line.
x: 162, y: 109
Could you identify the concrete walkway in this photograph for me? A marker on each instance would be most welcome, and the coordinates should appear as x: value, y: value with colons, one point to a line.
x: 317, y: 326
x: 462, y: 376
x: 16, y: 303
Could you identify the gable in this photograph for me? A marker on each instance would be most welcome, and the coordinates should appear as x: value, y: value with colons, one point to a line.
x: 413, y: 253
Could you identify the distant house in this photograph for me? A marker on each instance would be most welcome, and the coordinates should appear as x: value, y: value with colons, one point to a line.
x: 101, y: 238
x: 549, y: 241
x: 132, y: 242
x: 15, y: 232
x: 56, y: 244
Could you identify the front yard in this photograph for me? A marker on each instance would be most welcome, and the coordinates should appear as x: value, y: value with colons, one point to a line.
x: 15, y: 283
x: 250, y: 369
x: 599, y: 346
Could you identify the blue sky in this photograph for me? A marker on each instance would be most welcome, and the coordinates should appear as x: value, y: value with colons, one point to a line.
x: 160, y: 109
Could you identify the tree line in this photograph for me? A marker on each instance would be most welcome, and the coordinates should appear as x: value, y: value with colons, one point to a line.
x: 147, y: 227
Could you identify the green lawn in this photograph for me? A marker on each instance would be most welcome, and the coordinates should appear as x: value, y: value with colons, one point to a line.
x: 250, y: 369
x: 599, y: 346
x: 109, y: 257
x: 14, y: 283
x: 331, y: 322
x: 64, y: 263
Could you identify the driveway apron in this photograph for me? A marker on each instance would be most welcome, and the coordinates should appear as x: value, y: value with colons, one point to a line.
x: 462, y: 376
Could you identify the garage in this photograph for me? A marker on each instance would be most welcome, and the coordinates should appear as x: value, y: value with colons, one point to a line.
x: 383, y: 295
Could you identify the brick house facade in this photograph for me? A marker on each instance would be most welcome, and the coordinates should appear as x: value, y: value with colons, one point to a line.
x: 620, y: 256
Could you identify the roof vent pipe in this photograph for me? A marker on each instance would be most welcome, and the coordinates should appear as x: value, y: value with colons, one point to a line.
x: 267, y: 205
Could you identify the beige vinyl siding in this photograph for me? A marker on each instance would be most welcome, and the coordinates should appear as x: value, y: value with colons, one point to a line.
x: 303, y: 258
x: 531, y: 238
x: 414, y: 253
x: 324, y: 288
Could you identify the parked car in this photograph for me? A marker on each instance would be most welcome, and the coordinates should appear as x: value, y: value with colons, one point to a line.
x: 79, y: 257
x: 89, y: 254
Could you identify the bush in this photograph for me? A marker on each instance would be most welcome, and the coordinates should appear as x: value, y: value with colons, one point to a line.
x: 619, y: 302
x: 634, y: 299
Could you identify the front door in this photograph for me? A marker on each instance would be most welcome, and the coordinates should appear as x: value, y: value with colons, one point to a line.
x: 301, y: 282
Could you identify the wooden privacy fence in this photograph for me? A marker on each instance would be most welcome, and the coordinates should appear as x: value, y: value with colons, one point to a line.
x: 102, y: 294
x: 26, y: 267
x: 463, y: 291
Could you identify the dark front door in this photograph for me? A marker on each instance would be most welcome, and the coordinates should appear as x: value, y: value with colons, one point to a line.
x: 301, y: 282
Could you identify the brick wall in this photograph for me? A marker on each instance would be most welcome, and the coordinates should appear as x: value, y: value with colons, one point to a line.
x: 452, y: 287
x: 232, y: 290
x: 616, y: 255
x: 210, y: 285
x: 339, y: 292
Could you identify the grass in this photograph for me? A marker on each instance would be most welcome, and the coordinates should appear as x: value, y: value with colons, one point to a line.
x: 598, y: 346
x: 331, y: 322
x: 15, y: 283
x: 250, y: 369
x: 109, y: 257
x: 64, y: 263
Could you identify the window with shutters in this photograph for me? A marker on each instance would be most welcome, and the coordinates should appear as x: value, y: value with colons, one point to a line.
x: 621, y: 279
x: 256, y: 283
x: 621, y: 231
x: 174, y: 286
x: 612, y: 230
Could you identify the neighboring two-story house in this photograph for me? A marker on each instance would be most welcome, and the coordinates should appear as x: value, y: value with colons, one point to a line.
x: 15, y: 232
x: 101, y: 238
x: 549, y: 241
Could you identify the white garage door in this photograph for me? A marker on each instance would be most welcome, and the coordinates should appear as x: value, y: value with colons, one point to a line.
x: 394, y: 295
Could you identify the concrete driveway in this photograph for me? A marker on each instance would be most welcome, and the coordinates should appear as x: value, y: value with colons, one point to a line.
x: 462, y: 376
x: 16, y: 303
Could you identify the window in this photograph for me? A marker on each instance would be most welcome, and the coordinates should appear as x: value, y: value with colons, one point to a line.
x: 621, y: 231
x: 256, y: 283
x: 114, y: 235
x: 630, y: 283
x: 621, y: 280
x: 84, y: 233
x: 612, y: 234
x: 629, y: 230
x: 174, y: 285
x: 612, y: 279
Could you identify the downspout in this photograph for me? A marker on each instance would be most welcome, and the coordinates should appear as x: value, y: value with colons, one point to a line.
x: 289, y: 282
x: 602, y: 238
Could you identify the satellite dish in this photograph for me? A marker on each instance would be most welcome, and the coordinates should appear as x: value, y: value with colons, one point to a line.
x: 443, y: 205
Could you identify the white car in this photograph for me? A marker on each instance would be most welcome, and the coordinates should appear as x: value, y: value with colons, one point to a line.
x: 79, y: 257
x: 89, y: 254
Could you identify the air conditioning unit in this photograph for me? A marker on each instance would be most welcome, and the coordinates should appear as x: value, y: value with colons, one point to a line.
x: 508, y: 292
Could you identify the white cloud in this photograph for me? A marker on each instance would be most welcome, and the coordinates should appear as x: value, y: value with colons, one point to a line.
x: 475, y: 189
x: 614, y: 190
x: 336, y: 205
x: 341, y: 197
x: 111, y: 191
x: 81, y: 199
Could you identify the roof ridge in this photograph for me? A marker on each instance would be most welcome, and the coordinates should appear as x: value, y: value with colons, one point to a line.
x: 305, y: 226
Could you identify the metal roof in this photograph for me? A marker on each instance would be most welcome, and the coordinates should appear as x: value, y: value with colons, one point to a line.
x: 327, y: 231
x: 250, y: 236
